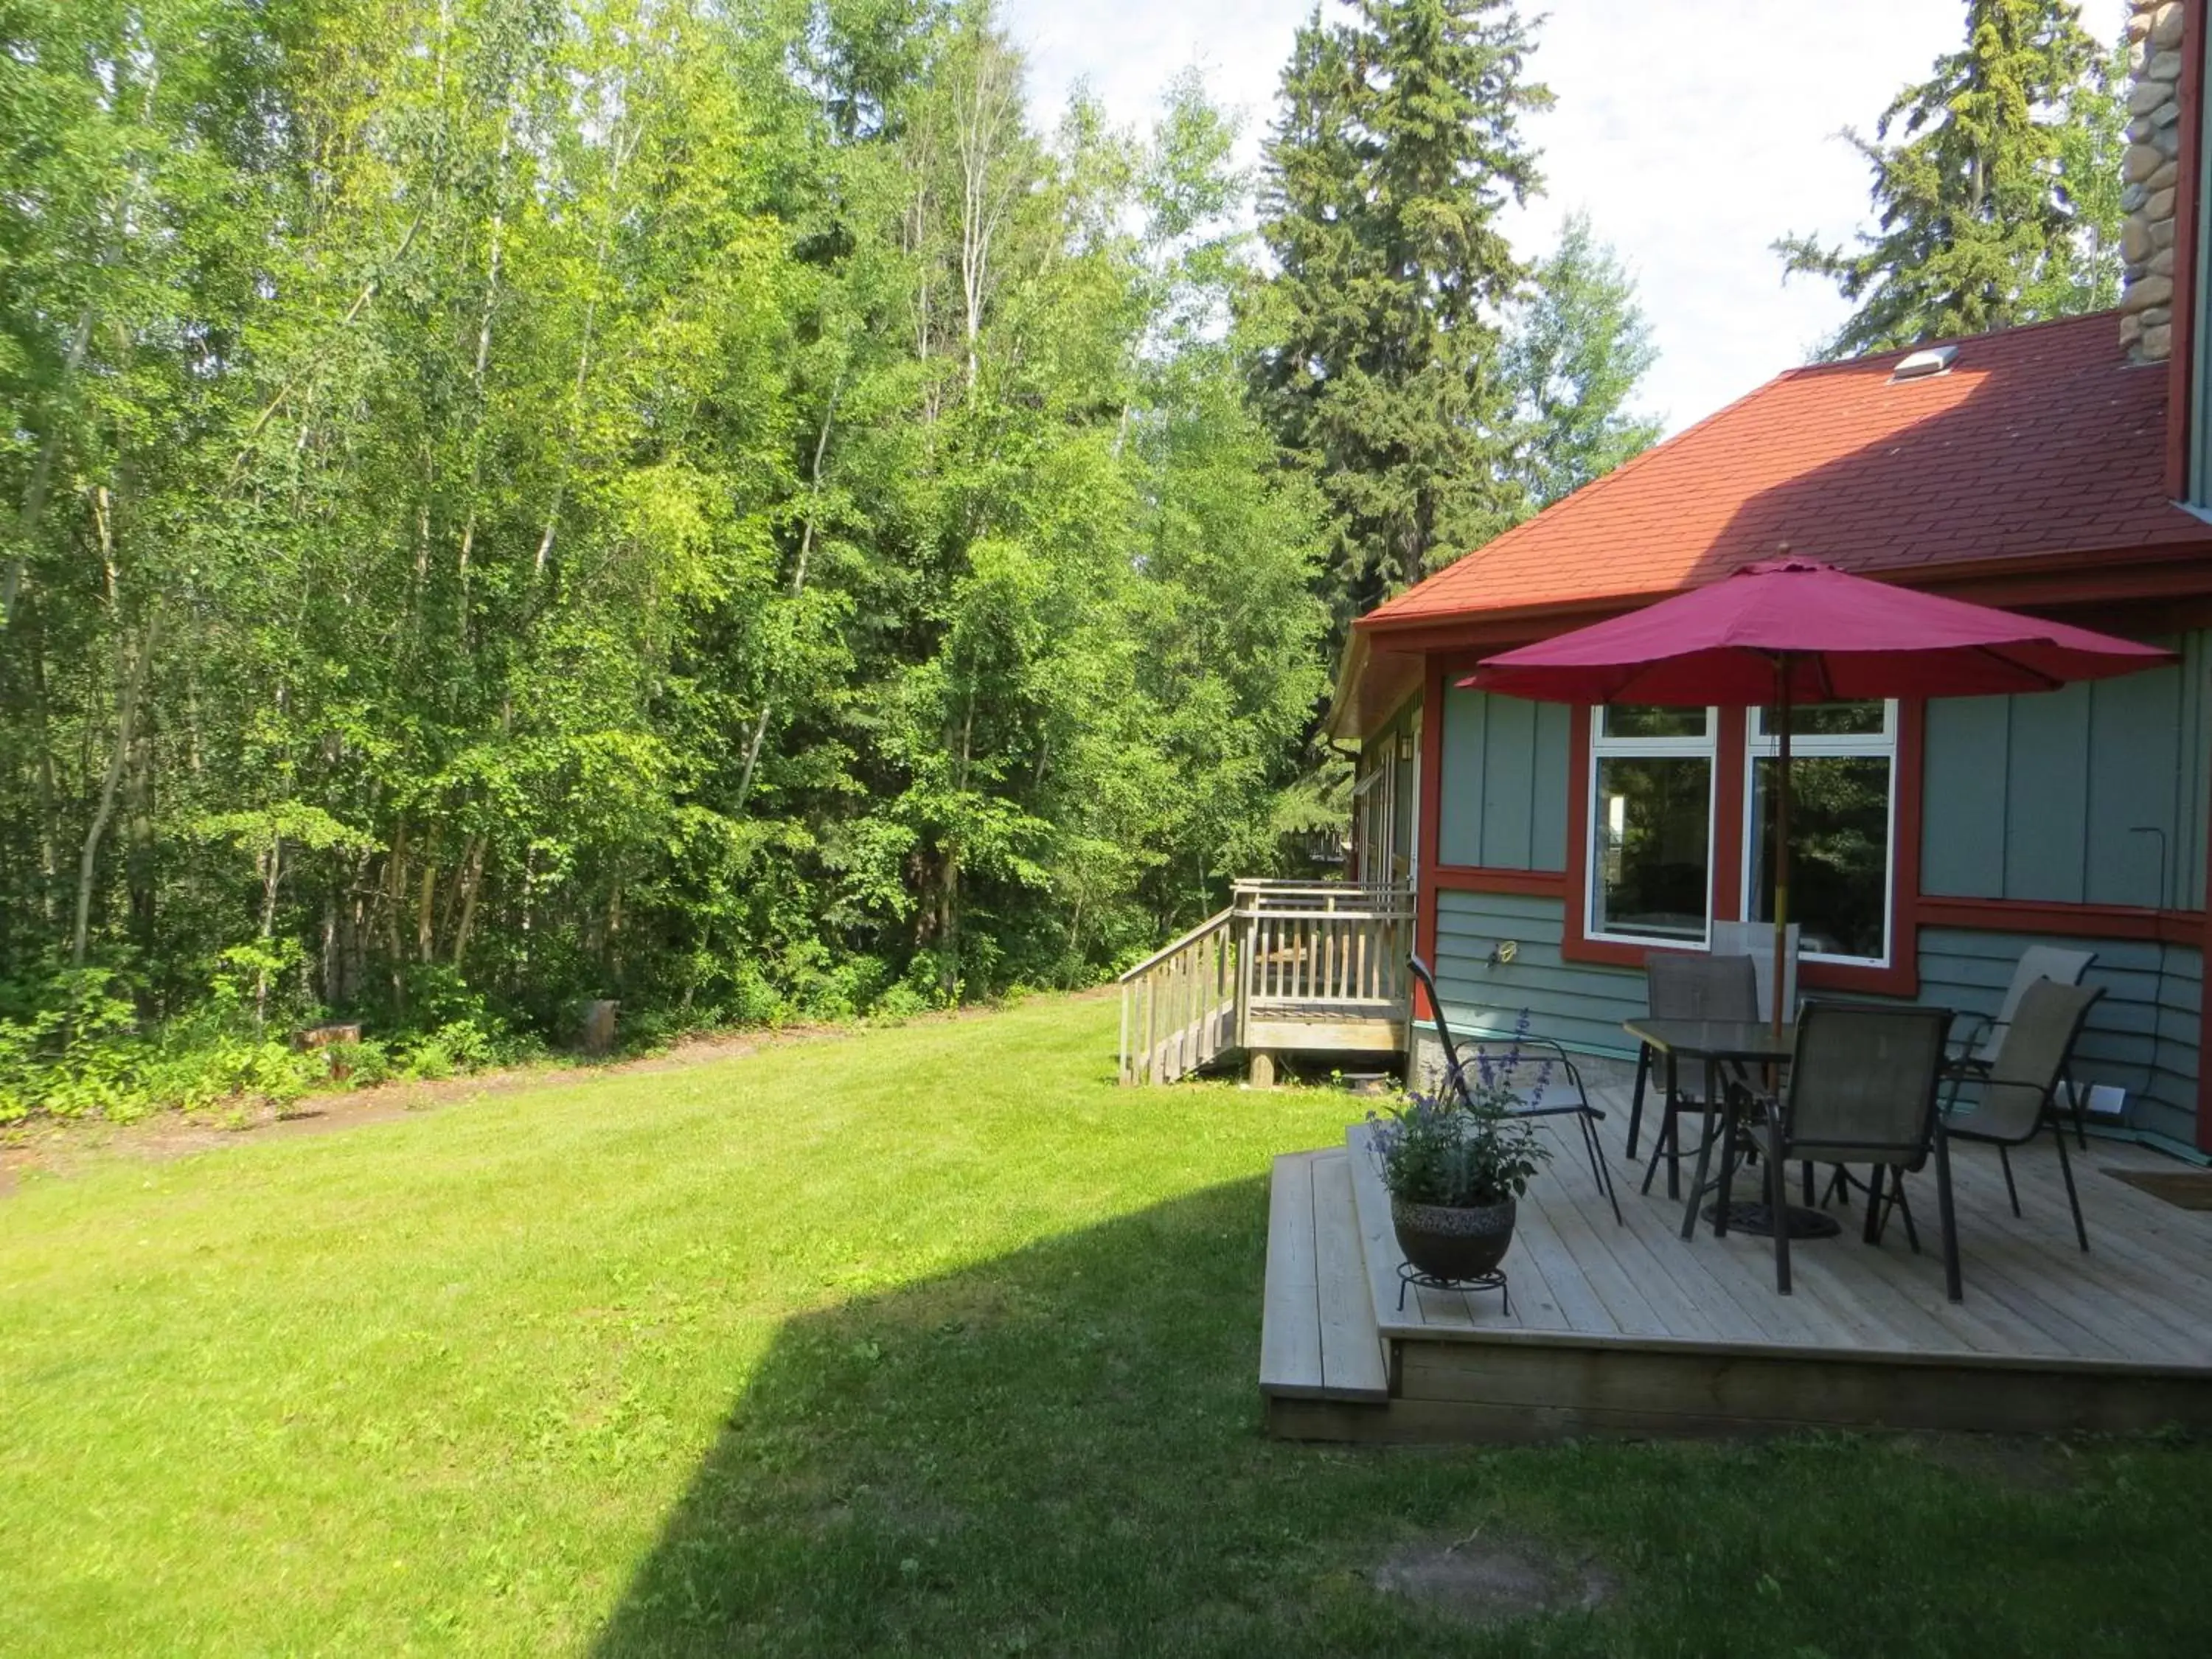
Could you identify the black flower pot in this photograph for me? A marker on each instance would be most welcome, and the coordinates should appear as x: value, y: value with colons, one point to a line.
x: 1449, y: 1241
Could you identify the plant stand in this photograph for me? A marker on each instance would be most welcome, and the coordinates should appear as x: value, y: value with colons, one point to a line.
x: 1410, y: 1276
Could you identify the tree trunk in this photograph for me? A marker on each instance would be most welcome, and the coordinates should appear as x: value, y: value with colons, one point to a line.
x: 389, y: 900
x: 133, y: 676
x: 984, y: 126
x: 49, y: 791
x: 272, y: 872
x: 483, y: 363
x: 425, y: 920
x: 624, y: 145
x: 471, y: 878
x: 798, y: 586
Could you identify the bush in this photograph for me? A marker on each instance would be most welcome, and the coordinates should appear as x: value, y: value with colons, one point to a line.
x: 72, y: 1045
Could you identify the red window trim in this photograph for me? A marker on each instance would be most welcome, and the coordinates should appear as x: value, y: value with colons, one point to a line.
x: 1429, y: 785
x: 1900, y: 978
x: 1487, y: 878
x: 2125, y: 922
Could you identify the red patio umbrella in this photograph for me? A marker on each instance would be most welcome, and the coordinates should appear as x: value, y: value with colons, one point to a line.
x: 1789, y: 631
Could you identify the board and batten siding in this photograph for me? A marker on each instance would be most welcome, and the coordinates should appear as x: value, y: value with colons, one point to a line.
x: 2045, y: 798
x: 1503, y: 804
x: 1579, y: 1006
x: 2142, y: 1033
x: 2142, y: 1036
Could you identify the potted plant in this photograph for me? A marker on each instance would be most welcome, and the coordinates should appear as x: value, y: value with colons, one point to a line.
x: 1454, y: 1170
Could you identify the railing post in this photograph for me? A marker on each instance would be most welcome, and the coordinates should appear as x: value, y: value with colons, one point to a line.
x: 1127, y: 991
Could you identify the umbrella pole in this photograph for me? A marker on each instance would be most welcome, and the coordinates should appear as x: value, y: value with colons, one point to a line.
x: 1781, y: 842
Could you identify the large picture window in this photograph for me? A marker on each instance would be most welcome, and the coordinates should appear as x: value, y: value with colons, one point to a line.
x: 1651, y: 824
x: 1842, y: 826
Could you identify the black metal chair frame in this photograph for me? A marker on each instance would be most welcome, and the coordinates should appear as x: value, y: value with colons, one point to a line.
x: 1966, y: 1064
x: 1587, y: 1117
x: 1775, y: 1139
x: 2046, y: 1115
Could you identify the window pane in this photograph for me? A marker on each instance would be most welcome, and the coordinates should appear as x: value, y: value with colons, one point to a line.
x: 1838, y: 851
x: 1827, y: 719
x: 1651, y: 845
x: 1643, y: 719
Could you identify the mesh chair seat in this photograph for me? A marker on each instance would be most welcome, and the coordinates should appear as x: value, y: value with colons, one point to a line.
x: 2020, y: 1092
x: 1862, y: 1089
x: 1973, y: 1056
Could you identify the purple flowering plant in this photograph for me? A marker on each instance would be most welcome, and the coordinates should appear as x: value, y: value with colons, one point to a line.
x: 1462, y: 1148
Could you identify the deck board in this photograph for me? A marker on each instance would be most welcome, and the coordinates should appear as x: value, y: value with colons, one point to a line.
x: 1290, y: 1318
x: 1351, y: 1365
x: 1626, y: 1327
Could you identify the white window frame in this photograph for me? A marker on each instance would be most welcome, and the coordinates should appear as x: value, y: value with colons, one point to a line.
x: 1603, y: 748
x: 1871, y: 745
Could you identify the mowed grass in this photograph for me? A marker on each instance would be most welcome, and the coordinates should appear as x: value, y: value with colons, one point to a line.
x: 928, y: 1339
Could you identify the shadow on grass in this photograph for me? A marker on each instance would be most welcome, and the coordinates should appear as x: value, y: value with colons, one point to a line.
x: 1060, y: 1451
x: 1049, y: 1450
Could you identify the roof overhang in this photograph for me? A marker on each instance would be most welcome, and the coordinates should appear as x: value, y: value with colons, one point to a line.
x: 2170, y: 584
x: 1373, y: 681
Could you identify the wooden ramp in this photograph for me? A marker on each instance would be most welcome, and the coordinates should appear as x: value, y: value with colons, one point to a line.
x: 1628, y: 1329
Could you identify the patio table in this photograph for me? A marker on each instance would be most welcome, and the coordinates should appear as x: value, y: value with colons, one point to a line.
x: 1716, y: 1043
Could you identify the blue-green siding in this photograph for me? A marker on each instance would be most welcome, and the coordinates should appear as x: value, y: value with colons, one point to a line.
x: 2141, y: 1036
x: 2042, y: 797
x: 1505, y: 782
x: 1577, y: 1005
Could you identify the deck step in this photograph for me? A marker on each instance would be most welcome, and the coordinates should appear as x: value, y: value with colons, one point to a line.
x: 1317, y: 1334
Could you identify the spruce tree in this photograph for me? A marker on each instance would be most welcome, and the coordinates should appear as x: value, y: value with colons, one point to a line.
x: 1989, y: 211
x: 1382, y: 368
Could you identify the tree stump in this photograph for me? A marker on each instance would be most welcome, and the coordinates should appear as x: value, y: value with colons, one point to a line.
x: 324, y: 1036
x: 598, y: 1026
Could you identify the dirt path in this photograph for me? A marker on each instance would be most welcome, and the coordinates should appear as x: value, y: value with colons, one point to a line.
x: 59, y: 1148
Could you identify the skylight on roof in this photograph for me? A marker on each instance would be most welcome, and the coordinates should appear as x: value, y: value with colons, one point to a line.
x: 1919, y: 365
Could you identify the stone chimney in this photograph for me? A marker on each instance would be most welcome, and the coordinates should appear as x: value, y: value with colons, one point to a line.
x: 2150, y: 172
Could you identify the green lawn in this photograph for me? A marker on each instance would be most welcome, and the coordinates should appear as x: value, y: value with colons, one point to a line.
x: 926, y: 1339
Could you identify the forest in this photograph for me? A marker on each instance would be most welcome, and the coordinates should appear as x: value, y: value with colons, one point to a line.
x: 710, y: 503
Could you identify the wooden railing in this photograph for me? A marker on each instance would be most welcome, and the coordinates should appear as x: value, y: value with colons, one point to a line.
x: 1322, y: 945
x: 1287, y: 960
x: 1179, y: 1005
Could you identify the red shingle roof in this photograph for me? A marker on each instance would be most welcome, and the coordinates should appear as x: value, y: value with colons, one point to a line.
x: 2037, y: 440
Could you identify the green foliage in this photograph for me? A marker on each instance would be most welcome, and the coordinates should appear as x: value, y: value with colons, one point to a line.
x: 1578, y: 347
x: 1998, y: 202
x: 508, y: 503
x: 1441, y: 1151
x: 73, y: 1045
x: 1381, y: 338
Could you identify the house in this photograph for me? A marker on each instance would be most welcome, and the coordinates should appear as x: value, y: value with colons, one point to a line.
x: 1540, y: 854
x: 2063, y: 469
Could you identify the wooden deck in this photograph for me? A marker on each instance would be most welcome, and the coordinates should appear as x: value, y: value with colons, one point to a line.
x: 1628, y: 1329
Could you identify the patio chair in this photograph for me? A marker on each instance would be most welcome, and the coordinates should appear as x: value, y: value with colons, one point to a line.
x: 1677, y: 987
x: 1862, y: 1089
x: 2018, y: 1095
x: 1971, y: 1054
x: 1755, y: 939
x: 1518, y: 1055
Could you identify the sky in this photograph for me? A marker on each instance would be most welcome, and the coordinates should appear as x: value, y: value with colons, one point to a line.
x: 1694, y: 132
